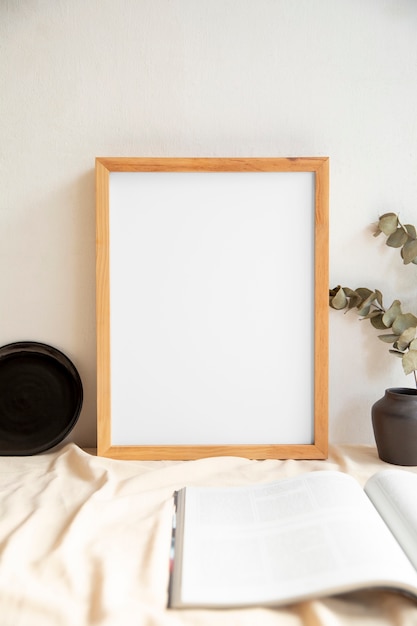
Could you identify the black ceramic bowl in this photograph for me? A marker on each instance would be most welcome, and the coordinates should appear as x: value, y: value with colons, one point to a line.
x: 41, y: 396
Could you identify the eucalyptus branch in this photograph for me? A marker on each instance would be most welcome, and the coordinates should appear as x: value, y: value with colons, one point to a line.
x: 368, y: 303
x: 399, y: 235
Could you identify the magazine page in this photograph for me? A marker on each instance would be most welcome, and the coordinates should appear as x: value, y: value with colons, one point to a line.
x: 279, y: 542
x: 394, y: 494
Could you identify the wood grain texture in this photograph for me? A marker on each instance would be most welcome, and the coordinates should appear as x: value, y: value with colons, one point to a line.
x: 320, y: 166
x: 321, y: 308
x: 103, y: 310
x: 141, y: 164
x: 189, y: 453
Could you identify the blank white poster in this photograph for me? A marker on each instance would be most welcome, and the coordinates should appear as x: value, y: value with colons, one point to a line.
x: 212, y: 307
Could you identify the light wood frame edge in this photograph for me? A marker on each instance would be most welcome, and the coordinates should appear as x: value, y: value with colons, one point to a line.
x: 318, y: 165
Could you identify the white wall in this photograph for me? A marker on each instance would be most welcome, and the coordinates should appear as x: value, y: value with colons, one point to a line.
x: 81, y: 79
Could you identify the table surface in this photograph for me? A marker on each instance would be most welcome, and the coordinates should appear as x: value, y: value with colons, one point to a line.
x: 84, y: 541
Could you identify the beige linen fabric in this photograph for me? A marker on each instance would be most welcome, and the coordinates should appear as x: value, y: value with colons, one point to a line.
x: 84, y: 541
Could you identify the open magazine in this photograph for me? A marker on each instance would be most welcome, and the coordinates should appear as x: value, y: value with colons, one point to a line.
x: 298, y: 538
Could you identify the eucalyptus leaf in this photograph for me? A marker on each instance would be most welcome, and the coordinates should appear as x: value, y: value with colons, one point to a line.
x: 379, y: 298
x: 409, y: 251
x: 410, y: 361
x: 404, y: 321
x: 363, y: 311
x: 411, y: 230
x: 350, y: 292
x: 376, y: 321
x: 364, y: 292
x: 354, y: 301
x: 365, y: 307
x: 397, y: 239
x: 370, y: 299
x: 406, y: 338
x: 373, y: 313
x: 388, y: 223
x: 388, y: 338
x: 333, y: 292
x: 396, y: 353
x: 339, y: 300
x: 393, y: 312
x: 354, y: 298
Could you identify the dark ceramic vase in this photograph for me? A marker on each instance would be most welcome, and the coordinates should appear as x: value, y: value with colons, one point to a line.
x: 394, y: 420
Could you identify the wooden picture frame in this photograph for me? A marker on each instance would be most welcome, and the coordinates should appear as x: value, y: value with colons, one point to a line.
x: 236, y: 248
